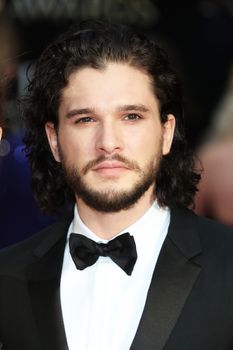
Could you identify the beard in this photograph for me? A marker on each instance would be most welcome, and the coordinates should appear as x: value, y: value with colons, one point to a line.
x: 110, y: 200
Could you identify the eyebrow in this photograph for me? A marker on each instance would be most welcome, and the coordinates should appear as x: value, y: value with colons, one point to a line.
x: 81, y: 111
x: 139, y: 108
x: 123, y: 108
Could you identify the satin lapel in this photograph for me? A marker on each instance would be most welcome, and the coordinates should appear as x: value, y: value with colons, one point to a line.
x: 44, y: 289
x: 173, y: 279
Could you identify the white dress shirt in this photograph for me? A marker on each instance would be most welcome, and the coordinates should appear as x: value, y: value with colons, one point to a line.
x: 102, y: 305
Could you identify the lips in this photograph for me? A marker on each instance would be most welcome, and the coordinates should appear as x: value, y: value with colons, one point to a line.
x: 110, y: 167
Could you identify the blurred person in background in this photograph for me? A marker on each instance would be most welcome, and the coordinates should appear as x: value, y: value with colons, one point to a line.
x: 16, y: 199
x: 214, y: 198
x: 132, y: 267
x: 8, y: 62
x: 1, y: 112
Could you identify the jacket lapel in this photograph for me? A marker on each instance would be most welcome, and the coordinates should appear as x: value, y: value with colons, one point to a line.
x: 173, y: 279
x: 44, y: 289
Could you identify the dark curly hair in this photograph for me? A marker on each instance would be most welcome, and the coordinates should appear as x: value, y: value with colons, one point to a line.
x: 94, y: 44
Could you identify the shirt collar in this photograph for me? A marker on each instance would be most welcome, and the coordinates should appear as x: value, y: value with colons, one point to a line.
x: 154, y: 217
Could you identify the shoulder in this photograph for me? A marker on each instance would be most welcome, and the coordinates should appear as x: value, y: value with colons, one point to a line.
x: 23, y: 253
x: 214, y: 237
x: 181, y: 216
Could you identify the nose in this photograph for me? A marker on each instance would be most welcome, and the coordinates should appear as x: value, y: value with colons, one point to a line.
x: 109, y: 137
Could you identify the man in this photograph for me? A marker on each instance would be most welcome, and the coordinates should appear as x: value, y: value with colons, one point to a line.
x: 133, y: 269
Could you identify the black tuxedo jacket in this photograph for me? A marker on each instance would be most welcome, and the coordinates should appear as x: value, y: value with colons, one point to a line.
x: 189, y: 304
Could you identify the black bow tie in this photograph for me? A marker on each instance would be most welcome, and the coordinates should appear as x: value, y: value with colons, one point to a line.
x: 85, y: 252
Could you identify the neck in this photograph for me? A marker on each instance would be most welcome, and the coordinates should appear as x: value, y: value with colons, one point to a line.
x: 108, y: 225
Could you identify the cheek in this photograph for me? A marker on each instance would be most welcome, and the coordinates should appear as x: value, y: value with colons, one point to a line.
x: 76, y: 151
x: 146, y: 143
x: 145, y: 151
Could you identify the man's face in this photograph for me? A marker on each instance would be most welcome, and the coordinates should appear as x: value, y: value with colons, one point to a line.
x: 110, y: 138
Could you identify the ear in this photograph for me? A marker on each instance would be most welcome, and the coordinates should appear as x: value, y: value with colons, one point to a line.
x: 52, y: 139
x: 0, y: 133
x: 168, y: 133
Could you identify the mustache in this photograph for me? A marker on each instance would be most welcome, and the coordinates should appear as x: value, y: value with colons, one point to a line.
x: 132, y: 165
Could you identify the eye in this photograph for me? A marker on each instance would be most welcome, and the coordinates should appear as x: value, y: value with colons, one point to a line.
x: 132, y: 116
x: 84, y: 120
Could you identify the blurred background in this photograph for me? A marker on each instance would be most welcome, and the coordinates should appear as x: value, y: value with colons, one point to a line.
x: 198, y: 36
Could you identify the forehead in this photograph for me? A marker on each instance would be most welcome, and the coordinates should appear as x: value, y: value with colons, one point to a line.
x: 115, y: 84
